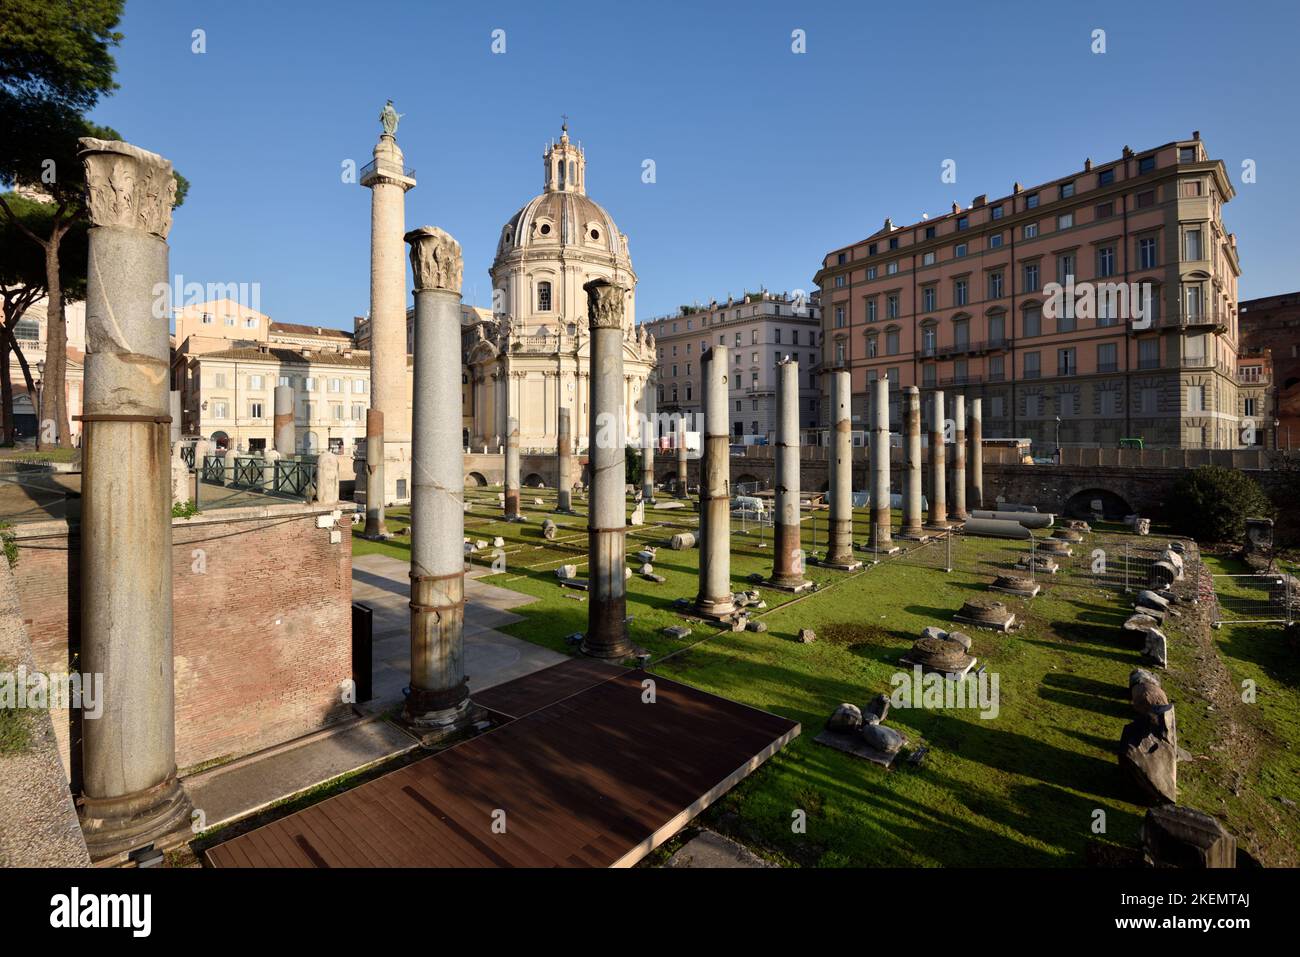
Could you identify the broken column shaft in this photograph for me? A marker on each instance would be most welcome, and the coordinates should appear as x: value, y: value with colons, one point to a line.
x: 512, y: 470
x: 607, y: 516
x: 839, y: 548
x: 976, y: 438
x: 912, y: 527
x: 375, y: 526
x: 438, y: 701
x: 938, y: 496
x: 958, y: 511
x: 131, y: 795
x: 681, y: 457
x: 714, y: 599
x: 283, y: 432
x: 564, y: 462
x: 787, y: 557
x: 881, y: 515
x: 648, y: 439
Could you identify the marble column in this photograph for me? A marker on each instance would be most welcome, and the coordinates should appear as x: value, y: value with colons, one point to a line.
x: 681, y: 457
x: 839, y: 548
x: 976, y: 439
x: 283, y: 431
x: 881, y: 513
x: 649, y: 405
x: 512, y: 471
x: 938, y: 496
x: 564, y: 462
x: 787, y: 557
x: 912, y: 526
x: 375, y: 525
x: 607, y: 514
x: 714, y: 598
x: 388, y: 180
x: 438, y: 703
x: 957, y: 513
x: 131, y: 795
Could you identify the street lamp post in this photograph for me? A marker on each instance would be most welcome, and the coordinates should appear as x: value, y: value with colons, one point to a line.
x: 40, y: 375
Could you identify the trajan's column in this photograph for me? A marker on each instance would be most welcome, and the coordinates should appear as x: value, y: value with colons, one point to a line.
x: 388, y: 180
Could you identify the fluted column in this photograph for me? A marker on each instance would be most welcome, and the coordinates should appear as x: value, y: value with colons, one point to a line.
x: 438, y: 702
x: 607, y: 515
x: 714, y: 599
x: 131, y: 795
x: 839, y: 548
x: 938, y: 496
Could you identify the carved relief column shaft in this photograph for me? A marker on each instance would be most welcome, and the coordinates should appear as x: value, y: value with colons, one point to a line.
x: 607, y: 609
x: 438, y: 703
x: 131, y: 794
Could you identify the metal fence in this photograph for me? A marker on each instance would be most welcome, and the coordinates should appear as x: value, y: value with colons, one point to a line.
x: 233, y: 480
x: 1257, y: 598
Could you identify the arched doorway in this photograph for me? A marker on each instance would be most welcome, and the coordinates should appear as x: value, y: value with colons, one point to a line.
x: 1083, y: 504
x: 475, y: 480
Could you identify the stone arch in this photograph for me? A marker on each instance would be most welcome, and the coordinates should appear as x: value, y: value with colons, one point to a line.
x: 533, y: 480
x: 1113, y: 505
x: 475, y: 480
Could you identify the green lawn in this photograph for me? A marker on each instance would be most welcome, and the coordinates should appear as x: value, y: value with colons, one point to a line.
x: 1019, y: 789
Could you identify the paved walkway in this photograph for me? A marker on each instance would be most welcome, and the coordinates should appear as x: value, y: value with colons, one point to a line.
x: 245, y: 786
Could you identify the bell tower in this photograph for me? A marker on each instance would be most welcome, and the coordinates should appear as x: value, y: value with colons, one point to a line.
x: 566, y: 167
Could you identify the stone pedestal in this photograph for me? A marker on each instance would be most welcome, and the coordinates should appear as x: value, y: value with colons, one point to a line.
x: 938, y: 465
x: 131, y: 795
x: 714, y: 598
x: 787, y: 557
x: 957, y: 512
x: 606, y: 635
x: 881, y: 513
x: 285, y: 439
x: 388, y: 180
x: 912, y: 527
x: 976, y: 438
x: 438, y: 703
x: 839, y: 548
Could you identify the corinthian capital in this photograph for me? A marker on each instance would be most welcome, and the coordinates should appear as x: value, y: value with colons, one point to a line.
x: 435, y: 259
x: 604, y: 304
x: 127, y: 186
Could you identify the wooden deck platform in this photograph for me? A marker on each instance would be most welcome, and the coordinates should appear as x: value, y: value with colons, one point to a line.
x: 581, y: 773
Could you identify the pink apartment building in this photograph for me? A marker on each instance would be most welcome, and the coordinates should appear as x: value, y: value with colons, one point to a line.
x: 963, y: 303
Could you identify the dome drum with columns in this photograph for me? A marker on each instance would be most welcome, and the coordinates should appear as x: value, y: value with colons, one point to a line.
x: 532, y: 358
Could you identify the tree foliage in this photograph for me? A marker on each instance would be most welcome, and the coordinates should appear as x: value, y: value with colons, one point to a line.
x: 1212, y: 503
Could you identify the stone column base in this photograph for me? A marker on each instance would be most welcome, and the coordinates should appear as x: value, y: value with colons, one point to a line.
x: 715, y: 609
x: 793, y: 585
x: 113, y: 827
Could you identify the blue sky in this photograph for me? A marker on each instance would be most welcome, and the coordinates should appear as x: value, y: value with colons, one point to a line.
x: 765, y: 159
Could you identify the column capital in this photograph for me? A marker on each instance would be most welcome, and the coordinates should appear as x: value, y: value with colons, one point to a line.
x: 436, y: 261
x: 127, y: 186
x: 604, y: 304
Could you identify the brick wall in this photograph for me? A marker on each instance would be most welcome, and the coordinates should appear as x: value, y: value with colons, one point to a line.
x: 262, y: 609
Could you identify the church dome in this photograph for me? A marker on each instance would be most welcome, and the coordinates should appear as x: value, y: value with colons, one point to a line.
x: 563, y: 217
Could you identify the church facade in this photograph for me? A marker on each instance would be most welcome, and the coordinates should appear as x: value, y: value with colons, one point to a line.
x: 532, y: 357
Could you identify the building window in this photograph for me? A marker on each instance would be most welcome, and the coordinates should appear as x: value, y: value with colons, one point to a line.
x: 1066, y: 362
x: 543, y: 297
x: 996, y: 369
x: 1031, y: 277
x: 1064, y: 268
x: 873, y: 348
x: 871, y: 310
x: 997, y: 329
x: 995, y: 285
x: 1147, y: 253
x: 929, y: 299
x: 1192, y: 241
x: 839, y: 317
x: 959, y: 251
x: 930, y: 232
x: 840, y: 259
x: 996, y: 409
x: 1029, y: 231
x: 929, y: 340
x: 1106, y: 261
x: 928, y: 259
x: 871, y: 272
x: 1105, y: 210
x: 892, y: 268
x: 871, y: 249
x: 893, y: 242
x: 1146, y: 164
x: 1031, y: 201
x: 284, y: 380
x: 891, y: 306
x: 891, y: 342
x: 219, y: 380
x: 1249, y: 407
x: 1033, y: 321
x: 1192, y: 298
x: 1148, y: 353
x: 995, y: 241
x: 996, y: 211
x: 1146, y: 198
x: 1065, y: 221
x: 1187, y: 154
x: 963, y: 222
x: 960, y: 293
x: 1106, y: 361
x: 1106, y: 177
x: 839, y: 281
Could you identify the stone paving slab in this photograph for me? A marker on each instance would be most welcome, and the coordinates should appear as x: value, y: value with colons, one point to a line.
x: 711, y: 849
x: 250, y: 784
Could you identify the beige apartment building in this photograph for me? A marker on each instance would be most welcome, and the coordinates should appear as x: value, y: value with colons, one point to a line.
x: 759, y: 329
x: 964, y: 303
x: 30, y: 333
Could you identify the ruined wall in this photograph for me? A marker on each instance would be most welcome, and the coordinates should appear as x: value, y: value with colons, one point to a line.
x: 262, y: 617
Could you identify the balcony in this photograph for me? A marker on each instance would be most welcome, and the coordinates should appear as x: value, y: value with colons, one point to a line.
x: 962, y: 349
x: 1258, y: 377
x: 1107, y: 366
x: 1209, y: 319
x: 385, y: 168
